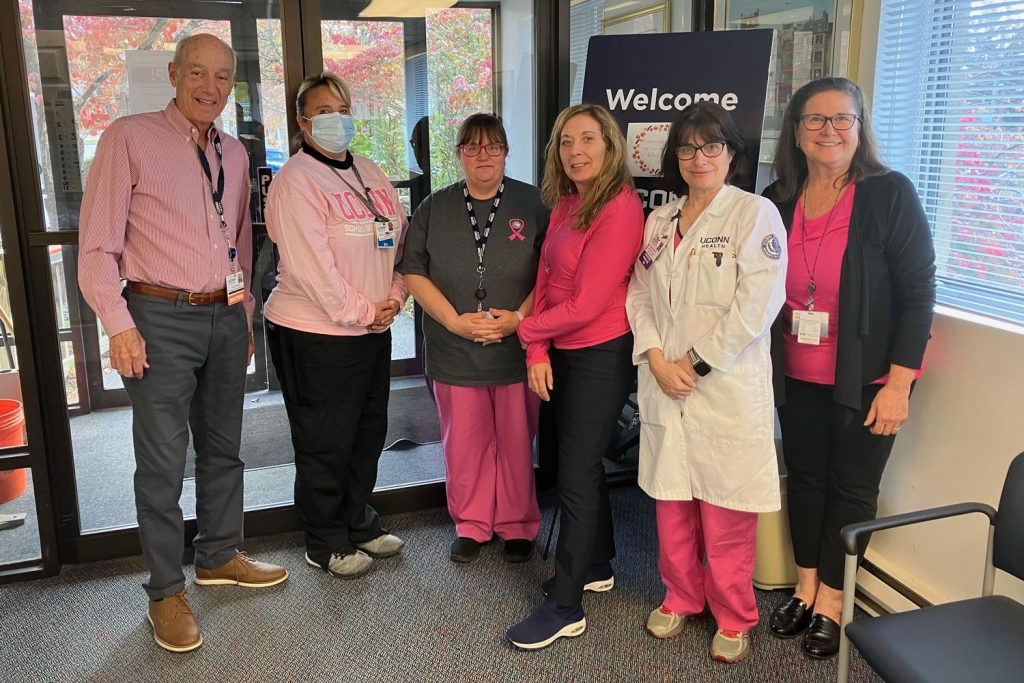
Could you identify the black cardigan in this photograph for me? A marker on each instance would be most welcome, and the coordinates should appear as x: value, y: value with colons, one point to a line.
x: 886, y: 287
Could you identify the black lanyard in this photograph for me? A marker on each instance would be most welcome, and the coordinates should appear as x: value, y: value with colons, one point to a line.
x: 217, y: 192
x: 481, y: 237
x: 364, y: 196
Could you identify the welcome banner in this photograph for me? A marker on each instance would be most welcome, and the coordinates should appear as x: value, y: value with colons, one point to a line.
x: 647, y: 80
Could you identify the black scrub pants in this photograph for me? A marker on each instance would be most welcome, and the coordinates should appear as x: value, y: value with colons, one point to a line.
x: 590, y: 388
x: 834, y: 465
x: 336, y: 393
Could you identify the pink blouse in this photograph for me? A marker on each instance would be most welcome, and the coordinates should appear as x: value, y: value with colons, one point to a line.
x: 580, y: 295
x: 816, y: 246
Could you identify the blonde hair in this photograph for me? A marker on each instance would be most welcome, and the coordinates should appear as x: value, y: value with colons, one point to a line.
x: 325, y: 78
x: 611, y: 178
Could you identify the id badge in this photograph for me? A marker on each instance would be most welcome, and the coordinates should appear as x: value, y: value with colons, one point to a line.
x: 653, y: 249
x: 810, y: 327
x: 235, y: 286
x: 385, y: 231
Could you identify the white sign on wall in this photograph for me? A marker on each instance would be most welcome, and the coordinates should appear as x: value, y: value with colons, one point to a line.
x: 149, y: 89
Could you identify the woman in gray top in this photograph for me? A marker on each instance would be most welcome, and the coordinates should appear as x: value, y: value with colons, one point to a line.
x: 470, y: 261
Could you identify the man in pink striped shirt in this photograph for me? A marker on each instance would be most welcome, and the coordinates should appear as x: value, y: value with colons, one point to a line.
x: 166, y: 208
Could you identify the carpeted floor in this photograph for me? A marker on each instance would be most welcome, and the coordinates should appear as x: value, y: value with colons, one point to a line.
x: 417, y: 617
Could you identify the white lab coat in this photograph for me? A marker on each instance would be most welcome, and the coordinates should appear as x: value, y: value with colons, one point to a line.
x: 728, y: 282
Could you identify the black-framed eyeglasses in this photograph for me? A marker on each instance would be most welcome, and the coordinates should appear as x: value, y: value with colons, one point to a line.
x: 708, y: 149
x: 492, y: 150
x: 839, y: 121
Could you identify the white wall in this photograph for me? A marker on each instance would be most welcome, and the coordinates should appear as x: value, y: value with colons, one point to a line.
x: 966, y: 425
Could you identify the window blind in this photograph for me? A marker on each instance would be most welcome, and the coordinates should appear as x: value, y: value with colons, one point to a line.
x: 949, y: 113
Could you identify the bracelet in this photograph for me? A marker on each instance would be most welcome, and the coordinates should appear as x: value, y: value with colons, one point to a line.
x: 519, y: 315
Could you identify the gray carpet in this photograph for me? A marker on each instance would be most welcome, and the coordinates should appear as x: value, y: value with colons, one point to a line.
x: 21, y: 542
x: 417, y: 617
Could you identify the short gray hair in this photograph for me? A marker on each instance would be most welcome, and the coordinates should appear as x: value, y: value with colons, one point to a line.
x: 184, y: 43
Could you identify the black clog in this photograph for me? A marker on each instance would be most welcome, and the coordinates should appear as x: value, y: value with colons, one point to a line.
x: 789, y: 619
x: 821, y: 640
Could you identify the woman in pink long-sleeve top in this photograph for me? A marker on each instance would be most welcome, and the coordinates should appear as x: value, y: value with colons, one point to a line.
x: 339, y: 228
x: 579, y: 348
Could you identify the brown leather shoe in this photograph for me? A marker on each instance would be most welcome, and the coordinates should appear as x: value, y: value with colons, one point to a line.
x: 174, y: 625
x: 242, y: 570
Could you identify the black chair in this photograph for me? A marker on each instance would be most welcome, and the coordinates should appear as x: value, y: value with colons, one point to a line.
x: 980, y: 640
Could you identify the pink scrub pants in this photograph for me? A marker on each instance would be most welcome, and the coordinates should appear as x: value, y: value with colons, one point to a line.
x: 487, y: 433
x: 728, y: 537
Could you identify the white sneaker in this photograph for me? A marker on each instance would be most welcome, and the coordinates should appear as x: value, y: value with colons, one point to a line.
x: 348, y: 566
x: 665, y: 624
x: 730, y: 646
x: 384, y: 545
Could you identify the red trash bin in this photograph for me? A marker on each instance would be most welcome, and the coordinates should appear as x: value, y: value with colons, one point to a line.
x: 13, y: 483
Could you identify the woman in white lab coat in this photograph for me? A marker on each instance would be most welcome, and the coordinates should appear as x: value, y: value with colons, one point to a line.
x: 707, y: 287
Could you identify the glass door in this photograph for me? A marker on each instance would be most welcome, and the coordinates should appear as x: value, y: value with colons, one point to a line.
x: 414, y: 79
x: 84, y: 63
x: 88, y: 63
x: 27, y: 535
x: 19, y: 521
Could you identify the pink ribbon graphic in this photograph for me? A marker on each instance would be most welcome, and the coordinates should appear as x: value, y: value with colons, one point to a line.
x: 517, y: 225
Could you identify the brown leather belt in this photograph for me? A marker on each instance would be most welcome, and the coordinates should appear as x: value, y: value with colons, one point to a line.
x: 191, y: 298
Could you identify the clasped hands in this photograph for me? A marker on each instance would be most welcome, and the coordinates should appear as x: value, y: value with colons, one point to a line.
x: 384, y: 314
x: 677, y: 379
x: 483, y: 328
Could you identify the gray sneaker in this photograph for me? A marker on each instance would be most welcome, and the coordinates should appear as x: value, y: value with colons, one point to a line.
x: 730, y: 646
x: 384, y: 545
x: 348, y: 566
x: 665, y: 624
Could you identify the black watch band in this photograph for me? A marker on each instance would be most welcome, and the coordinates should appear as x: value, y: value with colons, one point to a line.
x: 699, y: 365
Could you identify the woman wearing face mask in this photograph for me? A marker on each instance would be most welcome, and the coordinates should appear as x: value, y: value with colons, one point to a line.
x: 339, y: 227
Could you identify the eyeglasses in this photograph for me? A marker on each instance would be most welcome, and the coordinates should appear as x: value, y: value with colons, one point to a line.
x: 492, y: 150
x: 708, y: 149
x: 839, y: 121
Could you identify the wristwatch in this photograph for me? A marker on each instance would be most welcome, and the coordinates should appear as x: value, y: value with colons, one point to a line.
x: 699, y: 365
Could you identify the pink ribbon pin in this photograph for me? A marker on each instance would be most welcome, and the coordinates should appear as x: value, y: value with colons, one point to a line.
x: 517, y: 225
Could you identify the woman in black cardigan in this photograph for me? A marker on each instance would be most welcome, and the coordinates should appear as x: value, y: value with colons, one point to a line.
x: 850, y: 341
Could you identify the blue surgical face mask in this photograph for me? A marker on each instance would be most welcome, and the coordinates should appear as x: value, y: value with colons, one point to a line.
x: 333, y: 131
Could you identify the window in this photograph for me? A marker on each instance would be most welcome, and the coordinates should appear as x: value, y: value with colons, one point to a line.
x: 948, y: 114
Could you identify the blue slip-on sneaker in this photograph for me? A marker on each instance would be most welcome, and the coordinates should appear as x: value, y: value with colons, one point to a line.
x: 548, y: 623
x: 599, y: 579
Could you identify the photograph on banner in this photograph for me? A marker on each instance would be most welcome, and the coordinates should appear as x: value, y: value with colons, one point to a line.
x: 645, y: 81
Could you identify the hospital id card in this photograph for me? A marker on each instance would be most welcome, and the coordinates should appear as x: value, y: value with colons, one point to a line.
x: 234, y: 284
x: 385, y: 232
x: 653, y: 249
x: 810, y: 327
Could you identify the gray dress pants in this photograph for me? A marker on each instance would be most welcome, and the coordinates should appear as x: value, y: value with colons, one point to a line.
x: 195, y: 380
